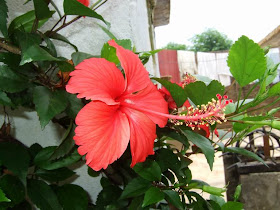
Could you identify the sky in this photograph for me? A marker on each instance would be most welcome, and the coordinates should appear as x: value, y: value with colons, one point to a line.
x: 252, y: 18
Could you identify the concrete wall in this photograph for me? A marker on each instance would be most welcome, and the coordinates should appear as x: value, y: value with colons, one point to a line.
x: 129, y: 20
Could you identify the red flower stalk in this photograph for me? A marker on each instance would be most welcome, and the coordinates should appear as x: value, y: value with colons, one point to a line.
x: 123, y: 109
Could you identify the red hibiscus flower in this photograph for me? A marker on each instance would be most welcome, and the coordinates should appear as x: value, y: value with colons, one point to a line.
x: 115, y: 117
x: 84, y: 2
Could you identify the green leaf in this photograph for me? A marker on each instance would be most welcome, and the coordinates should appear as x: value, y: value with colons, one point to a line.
x: 167, y: 159
x: 125, y: 43
x: 42, y: 10
x: 10, y: 59
x: 109, y: 53
x: 75, y: 105
x: 66, y: 145
x: 3, y: 18
x: 73, y: 7
x: 59, y: 37
x: 203, y: 143
x: 65, y: 66
x: 48, y: 104
x: 274, y: 90
x: 93, y: 173
x: 56, y: 175
x: 31, y: 50
x: 44, y: 161
x: 5, y: 100
x: 199, y: 93
x: 135, y: 187
x: 25, y: 21
x: 107, y: 31
x: 72, y: 197
x: 3, y: 197
x: 173, y: 198
x: 149, y: 170
x: 13, y: 189
x: 42, y: 195
x: 246, y: 60
x: 244, y: 152
x: 153, y: 195
x: 237, y: 192
x: 10, y: 81
x: 230, y: 205
x: 78, y: 57
x: 219, y: 200
x: 213, y: 190
x: 16, y: 158
x: 177, y: 92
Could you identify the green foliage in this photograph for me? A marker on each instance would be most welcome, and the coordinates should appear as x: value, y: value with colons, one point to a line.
x: 175, y: 46
x: 32, y: 75
x: 16, y: 158
x: 210, y: 40
x: 72, y: 197
x: 48, y: 104
x: 246, y: 61
x: 73, y: 7
x: 42, y: 195
x: 3, y: 18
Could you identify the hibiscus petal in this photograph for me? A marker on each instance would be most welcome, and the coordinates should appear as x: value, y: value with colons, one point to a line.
x: 84, y: 2
x: 137, y: 77
x: 102, y: 134
x: 149, y: 99
x: 96, y: 79
x: 142, y: 135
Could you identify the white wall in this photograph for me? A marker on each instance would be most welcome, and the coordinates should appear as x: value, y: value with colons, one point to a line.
x: 129, y: 20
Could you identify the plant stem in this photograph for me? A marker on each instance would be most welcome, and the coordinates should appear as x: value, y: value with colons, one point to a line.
x: 8, y: 47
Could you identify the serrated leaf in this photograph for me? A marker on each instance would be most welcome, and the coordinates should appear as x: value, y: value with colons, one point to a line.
x: 75, y: 105
x: 199, y: 93
x: 78, y: 57
x: 25, y: 21
x: 31, y: 50
x: 42, y: 195
x: 42, y: 10
x: 3, y: 18
x: 167, y: 159
x: 66, y: 145
x: 135, y: 187
x: 3, y: 197
x: 231, y: 205
x: 177, y: 92
x: 56, y: 175
x: 10, y: 59
x: 125, y: 43
x: 173, y: 198
x: 203, y: 143
x: 72, y: 197
x: 244, y: 152
x: 10, y: 81
x: 274, y: 90
x: 13, y: 189
x: 48, y: 104
x: 16, y: 158
x: 43, y: 159
x: 5, y: 100
x: 246, y: 60
x: 109, y: 53
x: 149, y: 170
x: 65, y: 66
x: 73, y: 7
x: 59, y: 37
x: 153, y: 195
x: 219, y: 200
x: 93, y: 173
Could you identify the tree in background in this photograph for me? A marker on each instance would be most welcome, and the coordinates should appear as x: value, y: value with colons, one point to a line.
x: 210, y: 40
x: 175, y: 46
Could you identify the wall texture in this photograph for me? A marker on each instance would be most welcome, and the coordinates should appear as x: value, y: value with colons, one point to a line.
x: 129, y: 20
